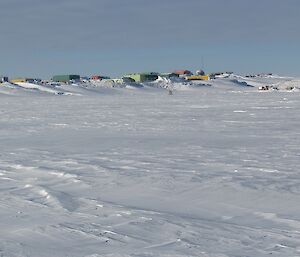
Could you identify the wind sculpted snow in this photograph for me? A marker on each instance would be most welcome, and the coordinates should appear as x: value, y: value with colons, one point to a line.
x: 205, y: 172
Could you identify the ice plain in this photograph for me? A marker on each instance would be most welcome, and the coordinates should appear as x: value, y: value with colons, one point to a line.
x: 210, y: 171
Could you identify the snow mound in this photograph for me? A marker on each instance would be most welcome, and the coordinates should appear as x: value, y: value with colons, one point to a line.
x: 176, y: 84
x: 293, y: 85
x: 115, y: 83
x: 240, y: 83
x: 40, y: 88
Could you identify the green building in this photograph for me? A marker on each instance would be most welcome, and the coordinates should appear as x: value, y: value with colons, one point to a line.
x: 142, y: 77
x: 65, y: 78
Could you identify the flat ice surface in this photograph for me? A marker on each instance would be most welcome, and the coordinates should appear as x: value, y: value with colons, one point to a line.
x: 136, y: 172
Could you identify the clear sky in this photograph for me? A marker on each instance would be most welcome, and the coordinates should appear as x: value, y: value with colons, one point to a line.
x: 40, y: 38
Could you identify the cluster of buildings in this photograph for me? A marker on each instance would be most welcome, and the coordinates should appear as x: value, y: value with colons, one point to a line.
x: 259, y: 75
x: 131, y: 77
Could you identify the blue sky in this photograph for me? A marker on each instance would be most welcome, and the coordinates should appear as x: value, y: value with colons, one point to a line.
x: 41, y: 38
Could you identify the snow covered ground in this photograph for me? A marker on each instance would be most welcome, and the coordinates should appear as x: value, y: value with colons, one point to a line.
x: 210, y: 171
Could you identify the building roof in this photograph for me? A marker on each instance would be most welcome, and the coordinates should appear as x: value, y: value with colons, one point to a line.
x: 182, y: 72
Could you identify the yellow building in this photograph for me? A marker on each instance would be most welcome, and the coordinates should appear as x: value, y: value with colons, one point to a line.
x: 21, y: 80
x: 198, y: 77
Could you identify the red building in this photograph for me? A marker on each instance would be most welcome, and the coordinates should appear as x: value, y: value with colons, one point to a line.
x: 183, y: 72
x: 98, y: 77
